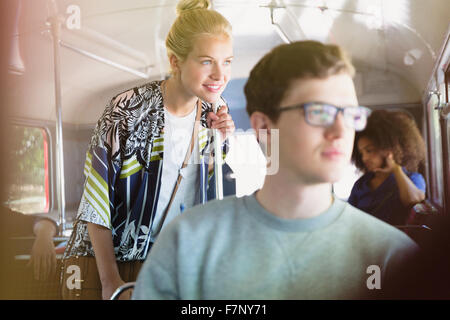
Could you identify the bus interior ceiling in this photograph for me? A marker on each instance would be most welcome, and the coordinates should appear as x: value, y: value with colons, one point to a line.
x: 394, y: 45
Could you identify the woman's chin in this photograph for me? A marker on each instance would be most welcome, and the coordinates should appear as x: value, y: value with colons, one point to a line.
x: 210, y: 97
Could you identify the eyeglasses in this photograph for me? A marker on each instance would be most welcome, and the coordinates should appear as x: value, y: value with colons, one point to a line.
x: 324, y: 114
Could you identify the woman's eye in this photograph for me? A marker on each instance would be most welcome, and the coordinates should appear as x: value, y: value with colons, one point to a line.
x: 227, y: 62
x: 206, y: 62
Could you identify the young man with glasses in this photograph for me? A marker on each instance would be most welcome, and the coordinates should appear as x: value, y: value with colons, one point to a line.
x: 292, y: 239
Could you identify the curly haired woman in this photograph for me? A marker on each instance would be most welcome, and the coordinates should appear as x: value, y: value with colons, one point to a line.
x: 389, y: 152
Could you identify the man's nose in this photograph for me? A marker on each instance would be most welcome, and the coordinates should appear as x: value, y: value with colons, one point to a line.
x: 337, y: 129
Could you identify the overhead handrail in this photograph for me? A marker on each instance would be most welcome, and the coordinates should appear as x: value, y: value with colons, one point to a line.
x: 272, y: 6
x: 110, y: 43
x: 104, y: 60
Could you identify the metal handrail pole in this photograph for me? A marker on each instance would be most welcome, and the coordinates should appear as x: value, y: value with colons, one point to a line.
x: 55, y: 23
x: 218, y: 159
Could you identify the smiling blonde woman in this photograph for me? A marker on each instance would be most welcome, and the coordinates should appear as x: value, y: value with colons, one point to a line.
x: 148, y: 158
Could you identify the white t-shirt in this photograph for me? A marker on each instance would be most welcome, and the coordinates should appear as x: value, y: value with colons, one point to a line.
x: 177, y: 136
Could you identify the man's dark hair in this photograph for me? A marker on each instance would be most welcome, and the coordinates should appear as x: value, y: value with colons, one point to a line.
x: 272, y: 76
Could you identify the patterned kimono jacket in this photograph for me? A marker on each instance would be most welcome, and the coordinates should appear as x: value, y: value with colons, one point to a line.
x: 123, y: 172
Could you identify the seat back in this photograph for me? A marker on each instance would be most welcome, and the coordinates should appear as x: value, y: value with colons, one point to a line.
x: 419, y: 233
x: 422, y: 214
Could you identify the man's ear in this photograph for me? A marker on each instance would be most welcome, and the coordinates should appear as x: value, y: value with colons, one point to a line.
x: 260, y: 121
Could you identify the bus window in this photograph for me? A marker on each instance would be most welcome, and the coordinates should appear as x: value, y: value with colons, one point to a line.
x: 27, y: 158
x: 436, y: 182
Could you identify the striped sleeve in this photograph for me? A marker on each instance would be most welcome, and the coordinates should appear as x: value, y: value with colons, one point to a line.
x: 101, y: 172
x: 97, y: 198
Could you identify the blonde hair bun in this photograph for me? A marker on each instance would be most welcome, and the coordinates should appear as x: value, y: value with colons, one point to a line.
x: 194, y: 19
x: 186, y: 5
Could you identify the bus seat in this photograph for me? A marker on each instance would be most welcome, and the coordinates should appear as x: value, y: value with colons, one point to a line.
x: 419, y: 233
x: 22, y: 285
x: 422, y: 214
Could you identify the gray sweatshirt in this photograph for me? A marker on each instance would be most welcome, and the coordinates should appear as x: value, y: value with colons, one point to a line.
x: 235, y: 249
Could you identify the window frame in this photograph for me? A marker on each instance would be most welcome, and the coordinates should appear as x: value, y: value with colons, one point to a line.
x: 445, y: 134
x: 432, y: 181
x: 48, y: 160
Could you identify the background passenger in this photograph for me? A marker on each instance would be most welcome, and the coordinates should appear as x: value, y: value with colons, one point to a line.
x: 135, y: 178
x: 389, y: 152
x: 292, y: 239
x: 43, y: 256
